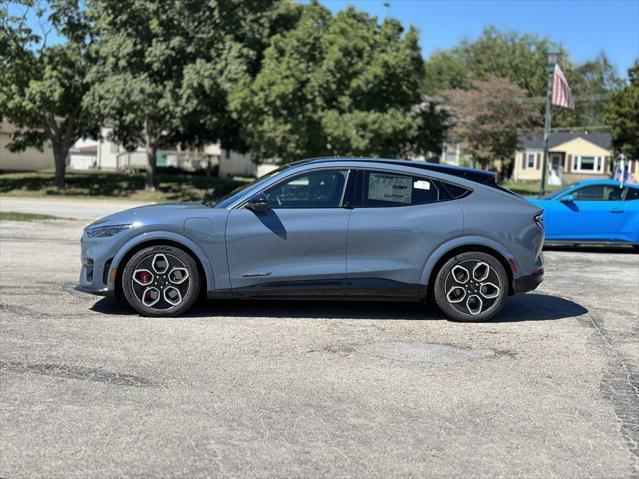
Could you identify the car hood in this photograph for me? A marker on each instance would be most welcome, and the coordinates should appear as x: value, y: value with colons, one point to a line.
x: 149, y: 214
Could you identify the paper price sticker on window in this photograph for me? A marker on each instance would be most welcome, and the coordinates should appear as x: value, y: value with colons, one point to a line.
x: 387, y: 187
x: 421, y: 185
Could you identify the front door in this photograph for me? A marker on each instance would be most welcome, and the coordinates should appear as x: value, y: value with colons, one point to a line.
x: 556, y: 163
x: 298, y: 245
x: 596, y: 213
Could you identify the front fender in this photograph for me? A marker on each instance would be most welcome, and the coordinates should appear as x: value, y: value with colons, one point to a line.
x: 176, y: 238
x: 443, y: 249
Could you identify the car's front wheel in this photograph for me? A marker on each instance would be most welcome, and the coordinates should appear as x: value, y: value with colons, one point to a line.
x: 161, y: 281
x: 471, y: 286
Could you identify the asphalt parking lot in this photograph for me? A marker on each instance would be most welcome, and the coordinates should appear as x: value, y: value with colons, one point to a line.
x: 295, y: 389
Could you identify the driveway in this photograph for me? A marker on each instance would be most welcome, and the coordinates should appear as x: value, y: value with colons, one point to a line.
x: 308, y: 389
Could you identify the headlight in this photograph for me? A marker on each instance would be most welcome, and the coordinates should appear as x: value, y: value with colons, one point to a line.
x: 106, y: 231
x: 539, y: 219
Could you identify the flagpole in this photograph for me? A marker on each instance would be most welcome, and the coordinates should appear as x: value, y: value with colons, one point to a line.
x: 553, y: 53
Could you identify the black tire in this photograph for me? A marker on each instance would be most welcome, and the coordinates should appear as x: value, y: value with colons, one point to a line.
x: 169, y: 292
x: 457, y: 299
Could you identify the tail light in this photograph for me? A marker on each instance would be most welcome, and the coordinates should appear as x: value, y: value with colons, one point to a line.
x: 539, y: 219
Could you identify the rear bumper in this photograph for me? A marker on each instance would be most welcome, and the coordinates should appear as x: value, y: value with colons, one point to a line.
x: 529, y: 282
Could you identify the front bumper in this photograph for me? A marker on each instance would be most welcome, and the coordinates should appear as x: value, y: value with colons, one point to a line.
x: 96, y: 276
x: 98, y: 292
x: 528, y: 282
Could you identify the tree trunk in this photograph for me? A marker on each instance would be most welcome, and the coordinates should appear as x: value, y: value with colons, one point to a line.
x: 150, y: 179
x: 60, y: 160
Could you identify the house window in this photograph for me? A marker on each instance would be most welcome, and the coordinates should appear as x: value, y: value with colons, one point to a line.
x: 588, y: 164
x: 530, y: 161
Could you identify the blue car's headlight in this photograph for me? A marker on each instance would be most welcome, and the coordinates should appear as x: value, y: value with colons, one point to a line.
x: 106, y: 231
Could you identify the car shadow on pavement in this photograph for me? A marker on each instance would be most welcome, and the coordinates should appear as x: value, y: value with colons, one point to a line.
x: 523, y: 307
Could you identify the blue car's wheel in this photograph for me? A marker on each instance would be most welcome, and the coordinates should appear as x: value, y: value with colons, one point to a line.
x: 161, y: 281
x: 471, y: 286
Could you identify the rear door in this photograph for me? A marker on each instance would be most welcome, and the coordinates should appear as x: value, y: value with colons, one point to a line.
x: 597, y: 212
x: 397, y: 221
x: 297, y: 246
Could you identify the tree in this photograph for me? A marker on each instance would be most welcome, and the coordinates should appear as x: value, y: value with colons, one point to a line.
x: 592, y: 83
x: 339, y: 85
x: 487, y: 117
x: 623, y: 116
x: 523, y: 60
x: 165, y: 68
x: 42, y: 86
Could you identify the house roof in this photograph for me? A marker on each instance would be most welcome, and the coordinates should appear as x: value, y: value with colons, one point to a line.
x: 529, y: 139
x: 86, y: 149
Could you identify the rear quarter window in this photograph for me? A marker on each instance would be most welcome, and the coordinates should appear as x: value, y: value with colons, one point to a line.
x: 631, y: 195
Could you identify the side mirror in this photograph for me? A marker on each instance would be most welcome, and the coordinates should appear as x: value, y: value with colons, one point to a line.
x: 567, y: 199
x: 258, y: 204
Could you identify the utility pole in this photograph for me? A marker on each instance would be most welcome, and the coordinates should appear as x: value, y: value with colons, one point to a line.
x: 553, y: 54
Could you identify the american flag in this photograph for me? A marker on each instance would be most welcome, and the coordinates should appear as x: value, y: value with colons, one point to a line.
x: 561, y: 95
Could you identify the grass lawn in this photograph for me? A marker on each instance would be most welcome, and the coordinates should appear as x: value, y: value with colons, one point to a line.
x: 98, y: 184
x: 11, y: 216
x: 528, y: 188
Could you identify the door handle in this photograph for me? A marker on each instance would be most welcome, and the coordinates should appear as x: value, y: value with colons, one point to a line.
x: 616, y: 211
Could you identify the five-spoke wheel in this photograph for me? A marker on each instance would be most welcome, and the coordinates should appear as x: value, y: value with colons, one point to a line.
x: 161, y: 281
x: 471, y: 286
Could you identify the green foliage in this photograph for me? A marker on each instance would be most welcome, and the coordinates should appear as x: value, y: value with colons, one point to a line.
x: 523, y: 60
x: 339, y: 85
x: 622, y: 115
x: 13, y: 216
x: 165, y: 68
x: 110, y: 185
x: 42, y: 86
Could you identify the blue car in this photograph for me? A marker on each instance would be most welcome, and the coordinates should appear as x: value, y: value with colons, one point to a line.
x: 592, y: 211
x: 340, y: 227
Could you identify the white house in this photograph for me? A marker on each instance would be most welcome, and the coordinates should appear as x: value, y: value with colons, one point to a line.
x: 105, y: 154
x: 29, y: 160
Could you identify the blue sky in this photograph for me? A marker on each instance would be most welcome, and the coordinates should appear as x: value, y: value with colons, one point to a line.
x: 583, y: 27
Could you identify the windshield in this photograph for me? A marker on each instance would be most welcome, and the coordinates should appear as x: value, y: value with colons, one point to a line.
x: 241, y: 190
x: 559, y: 192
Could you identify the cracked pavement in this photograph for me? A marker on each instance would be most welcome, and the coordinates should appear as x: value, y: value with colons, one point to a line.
x: 291, y: 389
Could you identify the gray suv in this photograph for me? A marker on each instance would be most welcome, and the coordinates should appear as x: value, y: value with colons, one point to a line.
x: 340, y: 227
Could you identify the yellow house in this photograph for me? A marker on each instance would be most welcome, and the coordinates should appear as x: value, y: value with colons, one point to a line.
x: 571, y: 156
x: 29, y: 160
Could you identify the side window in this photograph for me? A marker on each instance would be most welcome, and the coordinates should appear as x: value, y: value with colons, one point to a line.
x: 630, y: 194
x: 597, y: 193
x: 316, y: 189
x: 393, y: 189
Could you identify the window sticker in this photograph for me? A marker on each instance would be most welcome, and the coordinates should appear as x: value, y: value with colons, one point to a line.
x: 421, y: 185
x: 382, y: 187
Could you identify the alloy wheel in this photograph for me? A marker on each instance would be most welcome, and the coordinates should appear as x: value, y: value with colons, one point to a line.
x: 160, y: 281
x: 472, y: 286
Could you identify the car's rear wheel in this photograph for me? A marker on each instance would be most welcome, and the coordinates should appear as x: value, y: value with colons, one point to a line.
x: 161, y: 281
x: 471, y: 286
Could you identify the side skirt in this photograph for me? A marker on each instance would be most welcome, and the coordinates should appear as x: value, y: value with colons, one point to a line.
x: 352, y: 289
